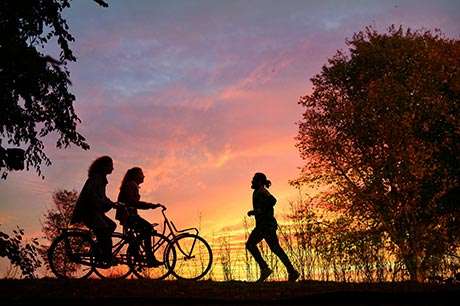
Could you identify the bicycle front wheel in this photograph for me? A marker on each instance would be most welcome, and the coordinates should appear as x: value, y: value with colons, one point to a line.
x: 140, y: 267
x: 120, y: 268
x: 71, y: 255
x: 194, y: 257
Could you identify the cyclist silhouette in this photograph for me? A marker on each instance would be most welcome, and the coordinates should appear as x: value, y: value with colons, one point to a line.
x: 128, y: 216
x: 92, y: 204
x: 266, y: 225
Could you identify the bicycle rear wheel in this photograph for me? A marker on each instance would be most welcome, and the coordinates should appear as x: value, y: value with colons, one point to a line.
x: 71, y: 255
x: 160, y: 245
x: 194, y: 257
x: 120, y: 268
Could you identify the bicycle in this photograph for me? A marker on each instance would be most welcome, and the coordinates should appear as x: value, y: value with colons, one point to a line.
x: 129, y: 256
x: 74, y: 254
x: 189, y: 256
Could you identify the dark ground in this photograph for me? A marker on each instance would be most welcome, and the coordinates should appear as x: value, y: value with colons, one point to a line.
x: 142, y: 292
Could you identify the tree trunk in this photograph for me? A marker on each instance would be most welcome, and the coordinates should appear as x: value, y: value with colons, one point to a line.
x: 413, y: 263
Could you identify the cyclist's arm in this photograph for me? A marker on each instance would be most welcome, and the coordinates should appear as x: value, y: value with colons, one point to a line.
x: 255, y: 212
x: 144, y: 205
x: 152, y: 205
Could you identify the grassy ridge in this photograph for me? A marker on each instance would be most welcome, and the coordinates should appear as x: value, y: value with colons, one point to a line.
x: 142, y: 292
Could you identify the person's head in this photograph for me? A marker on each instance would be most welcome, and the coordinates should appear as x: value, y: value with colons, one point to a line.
x: 260, y: 180
x: 133, y: 175
x: 102, y: 165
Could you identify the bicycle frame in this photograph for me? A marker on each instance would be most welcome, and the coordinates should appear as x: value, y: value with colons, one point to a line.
x: 171, y: 229
x: 131, y: 239
x: 172, y: 233
x: 127, y: 240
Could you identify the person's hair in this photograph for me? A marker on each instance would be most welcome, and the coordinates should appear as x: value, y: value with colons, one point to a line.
x: 100, y: 165
x: 130, y: 175
x: 259, y: 176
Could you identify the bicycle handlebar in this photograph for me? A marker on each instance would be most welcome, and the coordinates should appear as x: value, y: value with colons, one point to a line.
x: 122, y: 205
x: 169, y: 222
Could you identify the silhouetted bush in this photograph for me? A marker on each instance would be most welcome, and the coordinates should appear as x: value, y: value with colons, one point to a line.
x: 20, y: 253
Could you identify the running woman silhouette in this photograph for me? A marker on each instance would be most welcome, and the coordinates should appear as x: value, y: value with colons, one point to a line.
x: 263, y: 210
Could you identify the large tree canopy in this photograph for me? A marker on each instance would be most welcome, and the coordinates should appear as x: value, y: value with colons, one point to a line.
x: 381, y: 129
x: 34, y: 87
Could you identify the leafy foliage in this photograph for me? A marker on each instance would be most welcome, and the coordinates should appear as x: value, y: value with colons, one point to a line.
x: 21, y: 254
x: 35, y: 87
x: 380, y: 129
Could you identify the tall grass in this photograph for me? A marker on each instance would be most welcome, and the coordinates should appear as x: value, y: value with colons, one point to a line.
x: 321, y: 246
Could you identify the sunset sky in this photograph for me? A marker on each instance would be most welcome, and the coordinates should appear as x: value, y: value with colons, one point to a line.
x: 200, y: 94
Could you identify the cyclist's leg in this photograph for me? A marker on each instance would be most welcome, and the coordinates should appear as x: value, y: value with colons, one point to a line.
x: 272, y: 240
x: 103, y: 228
x: 145, y: 230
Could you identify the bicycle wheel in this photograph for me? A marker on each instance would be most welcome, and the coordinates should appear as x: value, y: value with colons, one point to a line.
x: 121, y: 266
x: 71, y: 255
x: 160, y: 244
x: 194, y: 257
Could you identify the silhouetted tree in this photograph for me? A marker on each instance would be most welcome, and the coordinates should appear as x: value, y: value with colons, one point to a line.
x: 381, y: 130
x: 34, y: 87
x: 57, y: 217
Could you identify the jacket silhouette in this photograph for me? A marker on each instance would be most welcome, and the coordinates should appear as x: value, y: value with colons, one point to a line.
x: 128, y: 214
x: 129, y: 194
x: 263, y: 206
x: 92, y: 204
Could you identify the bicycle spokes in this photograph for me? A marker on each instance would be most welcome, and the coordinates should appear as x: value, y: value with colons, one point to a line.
x: 194, y: 257
x: 156, y: 268
x: 71, y: 256
x: 120, y: 267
